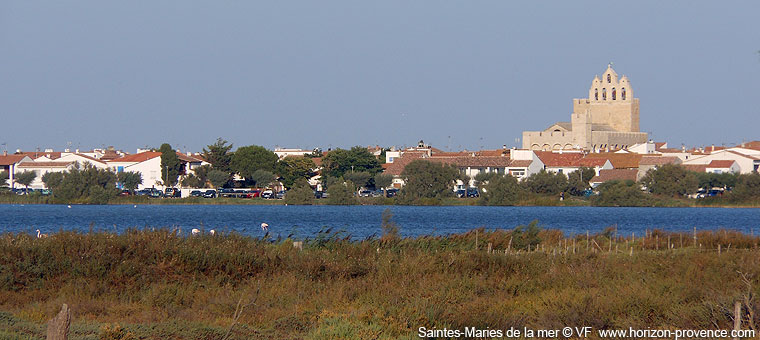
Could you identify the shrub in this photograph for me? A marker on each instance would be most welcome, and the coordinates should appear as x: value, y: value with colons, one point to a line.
x: 300, y: 194
x: 501, y: 190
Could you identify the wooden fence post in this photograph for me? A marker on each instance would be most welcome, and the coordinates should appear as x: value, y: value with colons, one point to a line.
x: 490, y: 247
x: 695, y: 237
x: 737, y: 317
x: 58, y: 327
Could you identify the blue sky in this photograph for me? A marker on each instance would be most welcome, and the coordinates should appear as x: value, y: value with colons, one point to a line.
x: 342, y: 73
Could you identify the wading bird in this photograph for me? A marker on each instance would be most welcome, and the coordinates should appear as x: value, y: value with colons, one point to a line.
x: 40, y: 235
x: 264, y: 226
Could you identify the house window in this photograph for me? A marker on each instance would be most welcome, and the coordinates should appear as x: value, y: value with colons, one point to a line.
x: 614, y: 93
x: 559, y: 171
x: 609, y: 78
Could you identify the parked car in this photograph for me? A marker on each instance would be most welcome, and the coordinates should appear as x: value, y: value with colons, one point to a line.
x: 124, y: 193
x: 226, y: 192
x: 365, y: 193
x: 318, y: 194
x: 267, y: 194
x: 473, y: 192
x: 209, y: 194
x: 460, y: 193
x: 378, y: 193
x: 391, y: 192
x: 196, y: 193
x: 255, y: 193
x: 280, y: 194
x: 172, y: 192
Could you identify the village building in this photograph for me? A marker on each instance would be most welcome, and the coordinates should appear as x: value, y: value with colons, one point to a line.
x: 607, y: 120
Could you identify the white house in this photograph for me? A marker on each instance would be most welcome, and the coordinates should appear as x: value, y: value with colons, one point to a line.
x: 8, y: 163
x: 723, y: 166
x: 148, y: 163
x: 41, y: 167
x: 748, y: 160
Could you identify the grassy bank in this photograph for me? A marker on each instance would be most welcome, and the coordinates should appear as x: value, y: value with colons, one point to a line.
x: 156, y: 284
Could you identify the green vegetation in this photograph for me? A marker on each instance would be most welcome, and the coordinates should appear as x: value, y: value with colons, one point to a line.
x: 82, y: 185
x: 427, y: 180
x: 4, y: 176
x: 341, y: 192
x: 171, y: 167
x: 339, y: 161
x: 247, y: 159
x: 545, y: 182
x: 219, y: 155
x: 300, y: 194
x: 25, y: 178
x: 130, y: 179
x: 501, y: 190
x: 165, y: 285
x: 622, y: 193
x: 293, y: 169
x: 671, y: 180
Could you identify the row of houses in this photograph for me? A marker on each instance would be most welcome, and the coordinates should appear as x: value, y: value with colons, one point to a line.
x: 148, y: 163
x: 631, y: 163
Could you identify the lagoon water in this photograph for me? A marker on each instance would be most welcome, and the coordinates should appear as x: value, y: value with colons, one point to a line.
x: 364, y: 221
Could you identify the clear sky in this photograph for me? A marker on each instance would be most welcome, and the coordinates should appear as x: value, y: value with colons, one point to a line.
x: 458, y: 74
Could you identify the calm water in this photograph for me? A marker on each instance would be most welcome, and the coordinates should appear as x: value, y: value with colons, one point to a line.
x: 363, y: 221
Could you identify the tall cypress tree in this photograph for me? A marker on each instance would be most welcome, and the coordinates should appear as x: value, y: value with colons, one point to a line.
x: 171, y: 167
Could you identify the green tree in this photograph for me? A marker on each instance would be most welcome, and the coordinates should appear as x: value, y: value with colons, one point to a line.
x: 425, y: 179
x: 4, y: 178
x: 544, y: 182
x: 219, y: 155
x: 171, y: 166
x: 341, y: 193
x: 670, y: 180
x: 710, y: 180
x: 747, y: 187
x: 262, y: 178
x: 130, y: 180
x: 526, y: 236
x: 621, y: 194
x: 340, y: 161
x: 248, y: 159
x: 86, y: 184
x: 51, y: 179
x: 383, y: 181
x: 201, y: 173
x: 360, y: 178
x: 25, y: 178
x: 192, y: 181
x: 218, y: 178
x: 577, y: 181
x: 293, y: 168
x: 501, y: 190
x: 482, y: 178
x: 300, y: 194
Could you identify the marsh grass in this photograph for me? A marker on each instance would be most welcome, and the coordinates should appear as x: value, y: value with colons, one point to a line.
x: 159, y: 284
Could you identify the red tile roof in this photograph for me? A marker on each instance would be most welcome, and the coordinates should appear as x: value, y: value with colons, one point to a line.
x: 38, y: 154
x: 470, y: 161
x: 11, y: 159
x: 555, y: 159
x: 44, y: 164
x: 138, y: 157
x: 615, y: 174
x: 658, y: 160
x: 743, y: 155
x: 399, y: 163
x: 619, y: 160
x: 721, y: 163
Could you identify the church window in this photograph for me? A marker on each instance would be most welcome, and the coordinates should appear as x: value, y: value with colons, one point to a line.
x: 604, y: 94
x: 622, y: 93
x: 596, y: 94
x: 609, y: 78
x: 614, y: 94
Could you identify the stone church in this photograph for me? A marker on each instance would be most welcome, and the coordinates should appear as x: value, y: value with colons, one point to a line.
x: 607, y: 120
